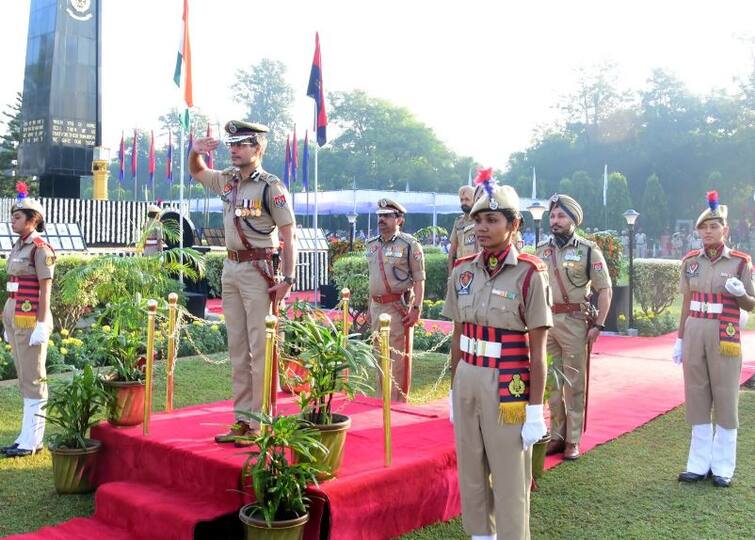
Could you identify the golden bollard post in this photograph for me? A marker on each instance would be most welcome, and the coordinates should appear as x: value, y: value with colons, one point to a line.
x: 100, y: 164
x: 345, y: 297
x: 385, y: 361
x: 270, y: 322
x: 151, y: 311
x: 172, y: 311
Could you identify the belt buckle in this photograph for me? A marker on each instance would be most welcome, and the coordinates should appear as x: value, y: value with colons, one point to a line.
x: 704, y: 307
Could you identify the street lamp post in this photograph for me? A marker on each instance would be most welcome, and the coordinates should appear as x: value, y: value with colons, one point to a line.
x: 352, y: 217
x: 536, y: 209
x: 631, y: 217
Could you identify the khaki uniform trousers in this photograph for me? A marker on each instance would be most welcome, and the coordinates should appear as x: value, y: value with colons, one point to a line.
x: 246, y: 303
x: 489, y: 451
x: 711, y: 381
x: 567, y: 344
x: 29, y: 360
x: 401, y: 363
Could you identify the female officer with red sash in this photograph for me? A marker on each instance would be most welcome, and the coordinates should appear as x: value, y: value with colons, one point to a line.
x: 27, y: 319
x: 716, y: 283
x: 499, y: 302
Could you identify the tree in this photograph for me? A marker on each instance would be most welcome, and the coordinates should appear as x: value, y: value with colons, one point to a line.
x: 618, y: 200
x: 654, y: 211
x: 9, y: 148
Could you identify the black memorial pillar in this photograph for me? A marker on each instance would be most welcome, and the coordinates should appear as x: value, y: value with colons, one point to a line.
x: 60, y: 115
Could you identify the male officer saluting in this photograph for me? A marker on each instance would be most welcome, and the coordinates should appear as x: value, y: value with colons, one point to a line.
x: 397, y: 286
x: 463, y: 240
x: 574, y: 266
x: 258, y: 219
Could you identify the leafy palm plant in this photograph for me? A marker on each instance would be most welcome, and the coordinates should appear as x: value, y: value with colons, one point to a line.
x: 279, y: 482
x: 73, y: 406
x: 334, y: 365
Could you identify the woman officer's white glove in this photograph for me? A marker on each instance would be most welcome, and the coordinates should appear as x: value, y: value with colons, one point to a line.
x: 676, y: 354
x: 735, y: 287
x: 40, y: 335
x: 451, y: 405
x: 534, y: 426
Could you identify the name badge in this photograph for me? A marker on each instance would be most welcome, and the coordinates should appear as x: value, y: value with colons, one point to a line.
x: 726, y: 275
x: 11, y: 286
x: 572, y: 256
x: 505, y: 294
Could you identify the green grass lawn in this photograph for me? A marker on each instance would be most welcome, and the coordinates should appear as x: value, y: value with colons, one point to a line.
x: 624, y: 489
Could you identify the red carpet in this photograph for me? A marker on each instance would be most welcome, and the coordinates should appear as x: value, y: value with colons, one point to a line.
x: 174, y: 482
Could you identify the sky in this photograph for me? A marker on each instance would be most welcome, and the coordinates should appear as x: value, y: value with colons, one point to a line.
x: 483, y: 75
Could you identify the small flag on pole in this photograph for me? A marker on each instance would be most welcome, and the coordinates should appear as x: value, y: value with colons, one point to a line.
x: 169, y: 160
x: 287, y: 163
x: 134, y: 156
x: 605, y: 185
x: 209, y: 160
x: 152, y: 158
x: 316, y: 91
x: 122, y: 159
x: 183, y: 65
x: 294, y: 158
x: 305, y: 161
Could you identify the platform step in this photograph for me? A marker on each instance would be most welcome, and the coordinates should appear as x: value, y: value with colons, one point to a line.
x: 152, y: 511
x: 78, y: 529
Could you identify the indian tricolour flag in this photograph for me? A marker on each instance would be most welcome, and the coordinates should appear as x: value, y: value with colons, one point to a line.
x: 183, y: 64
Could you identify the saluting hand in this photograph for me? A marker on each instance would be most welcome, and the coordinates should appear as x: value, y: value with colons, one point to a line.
x: 205, y: 145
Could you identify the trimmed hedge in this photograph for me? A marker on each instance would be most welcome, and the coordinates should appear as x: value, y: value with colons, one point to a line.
x: 656, y: 284
x: 213, y: 272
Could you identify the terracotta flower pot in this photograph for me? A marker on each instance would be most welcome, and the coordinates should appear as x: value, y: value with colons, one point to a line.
x: 73, y: 469
x: 256, y: 527
x: 333, y: 437
x: 129, y: 403
x: 293, y: 372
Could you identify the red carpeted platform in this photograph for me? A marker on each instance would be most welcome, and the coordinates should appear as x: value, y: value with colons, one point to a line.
x: 176, y: 482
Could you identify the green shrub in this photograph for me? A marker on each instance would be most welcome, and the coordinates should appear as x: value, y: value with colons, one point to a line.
x: 436, y: 271
x: 611, y: 247
x: 656, y: 284
x: 201, y: 337
x: 7, y: 367
x: 340, y: 248
x: 424, y: 340
x: 350, y: 271
x: 433, y: 309
x: 651, y: 325
x: 433, y: 249
x: 214, y: 273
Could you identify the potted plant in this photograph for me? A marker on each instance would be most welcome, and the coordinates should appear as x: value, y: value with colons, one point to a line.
x: 73, y: 406
x: 279, y: 482
x: 293, y: 375
x: 333, y: 364
x: 125, y: 354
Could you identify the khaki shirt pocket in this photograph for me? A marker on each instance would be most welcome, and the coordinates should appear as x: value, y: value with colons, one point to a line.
x: 504, y: 313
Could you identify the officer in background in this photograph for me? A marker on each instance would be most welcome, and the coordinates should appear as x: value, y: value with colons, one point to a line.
x: 27, y: 319
x: 716, y: 282
x: 463, y: 240
x: 257, y: 219
x: 153, y: 231
x: 498, y: 300
x: 575, y: 265
x: 396, y: 264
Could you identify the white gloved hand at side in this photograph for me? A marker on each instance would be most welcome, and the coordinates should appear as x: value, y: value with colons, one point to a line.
x: 451, y: 405
x: 40, y: 335
x: 534, y: 426
x: 5, y: 335
x: 676, y: 355
x: 735, y: 287
x: 743, y: 318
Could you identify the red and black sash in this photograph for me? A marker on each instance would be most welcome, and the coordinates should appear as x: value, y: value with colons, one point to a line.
x: 513, y: 368
x: 728, y: 320
x: 27, y: 300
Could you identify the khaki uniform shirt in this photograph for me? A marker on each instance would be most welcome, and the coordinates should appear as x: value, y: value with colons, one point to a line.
x: 701, y: 275
x: 264, y: 233
x: 463, y: 237
x: 475, y: 297
x: 578, y: 273
x: 19, y: 260
x: 403, y: 263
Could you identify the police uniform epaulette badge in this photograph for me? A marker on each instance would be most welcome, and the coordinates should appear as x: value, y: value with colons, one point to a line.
x: 691, y: 253
x: 534, y: 261
x: 373, y: 238
x: 269, y: 178
x: 468, y: 258
x: 741, y: 255
x: 40, y: 243
x: 585, y: 241
x: 229, y: 171
x: 543, y: 243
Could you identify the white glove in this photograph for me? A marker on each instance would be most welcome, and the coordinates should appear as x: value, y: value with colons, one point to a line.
x: 40, y: 335
x: 451, y: 405
x: 676, y: 355
x: 735, y: 287
x: 744, y: 316
x: 5, y: 335
x: 534, y: 426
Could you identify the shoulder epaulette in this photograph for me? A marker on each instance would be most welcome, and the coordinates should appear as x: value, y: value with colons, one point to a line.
x: 372, y: 239
x: 543, y: 243
x: 587, y: 242
x: 406, y: 237
x: 691, y: 253
x: 40, y: 243
x: 468, y: 258
x: 534, y: 261
x: 269, y: 178
x: 230, y: 171
x: 741, y: 255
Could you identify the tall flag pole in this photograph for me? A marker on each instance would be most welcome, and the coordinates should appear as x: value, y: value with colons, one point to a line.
x: 534, y: 185
x: 294, y: 167
x: 316, y: 91
x: 287, y: 163
x: 134, y: 158
x: 305, y: 168
x: 169, y: 162
x: 605, y: 196
x: 151, y: 164
x: 121, y: 164
x: 183, y: 71
x: 469, y: 179
x: 209, y: 160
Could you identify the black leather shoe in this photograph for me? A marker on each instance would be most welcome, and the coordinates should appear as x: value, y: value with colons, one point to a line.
x: 4, y: 449
x: 691, y: 477
x: 19, y: 452
x: 720, y: 481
